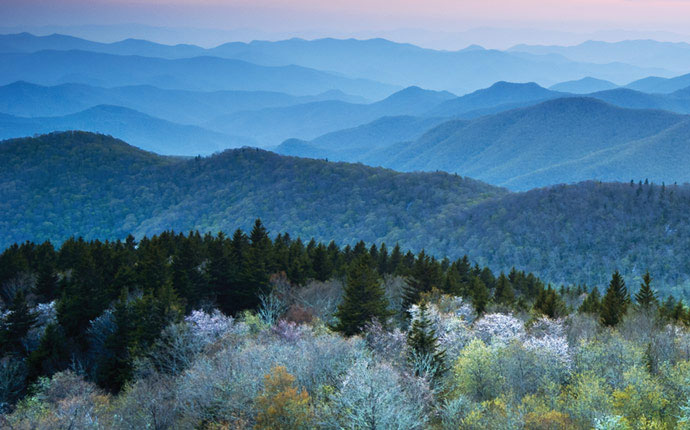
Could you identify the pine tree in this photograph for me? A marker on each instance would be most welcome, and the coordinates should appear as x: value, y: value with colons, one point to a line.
x: 364, y: 298
x: 16, y: 325
x: 549, y: 303
x: 504, y: 293
x: 592, y: 303
x: 479, y: 294
x: 646, y: 297
x: 321, y: 263
x: 257, y: 268
x: 423, y: 342
x: 615, y: 301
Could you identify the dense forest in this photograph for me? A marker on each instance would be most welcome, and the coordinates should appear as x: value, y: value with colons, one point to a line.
x: 249, y: 331
x: 100, y: 188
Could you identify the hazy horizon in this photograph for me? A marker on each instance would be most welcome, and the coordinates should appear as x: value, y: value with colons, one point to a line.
x: 440, y: 24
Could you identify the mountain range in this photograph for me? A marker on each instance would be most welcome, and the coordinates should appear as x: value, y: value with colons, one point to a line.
x: 393, y: 63
x: 99, y: 187
x: 152, y: 134
x: 518, y: 148
x: 196, y: 74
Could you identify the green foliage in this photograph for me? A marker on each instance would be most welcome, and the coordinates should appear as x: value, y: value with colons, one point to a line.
x: 364, y: 298
x: 615, y: 302
x: 423, y: 343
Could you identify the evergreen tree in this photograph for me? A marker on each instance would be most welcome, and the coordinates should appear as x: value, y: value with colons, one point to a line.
x: 646, y: 297
x: 424, y: 276
x: 256, y: 269
x: 549, y: 303
x: 592, y: 303
x: 364, y: 298
x: 615, y: 301
x: 479, y: 294
x: 16, y: 325
x: 321, y: 263
x: 423, y: 342
x: 504, y: 294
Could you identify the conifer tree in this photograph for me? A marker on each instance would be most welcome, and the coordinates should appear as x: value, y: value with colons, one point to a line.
x: 479, y: 294
x: 423, y: 342
x: 615, y: 301
x: 592, y: 303
x: 16, y: 325
x: 646, y: 297
x: 504, y: 293
x: 321, y: 263
x: 549, y: 303
x: 257, y: 268
x: 364, y: 298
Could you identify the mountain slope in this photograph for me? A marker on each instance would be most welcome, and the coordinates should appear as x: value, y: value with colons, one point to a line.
x: 655, y: 84
x: 197, y: 73
x: 310, y: 120
x: 225, y: 191
x: 644, y: 53
x: 26, y: 99
x: 355, y: 143
x: 399, y: 64
x: 55, y: 186
x: 500, y: 148
x: 584, y: 86
x: 500, y: 96
x: 144, y: 131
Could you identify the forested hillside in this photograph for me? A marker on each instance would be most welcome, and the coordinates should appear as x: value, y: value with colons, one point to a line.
x: 244, y: 331
x: 97, y: 187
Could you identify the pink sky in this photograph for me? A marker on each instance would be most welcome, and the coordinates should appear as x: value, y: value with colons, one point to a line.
x: 339, y: 16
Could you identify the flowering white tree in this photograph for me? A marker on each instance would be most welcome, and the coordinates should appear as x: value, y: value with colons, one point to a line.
x: 499, y: 328
x: 371, y: 396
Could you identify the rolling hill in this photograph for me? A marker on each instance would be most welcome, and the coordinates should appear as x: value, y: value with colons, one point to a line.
x: 584, y: 86
x: 655, y: 84
x: 382, y: 60
x: 355, y: 143
x: 311, y: 120
x: 504, y: 149
x: 196, y: 74
x: 189, y: 107
x: 643, y: 53
x: 58, y: 185
x: 152, y: 134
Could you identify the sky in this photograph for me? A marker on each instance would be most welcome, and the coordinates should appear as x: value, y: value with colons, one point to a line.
x: 427, y: 22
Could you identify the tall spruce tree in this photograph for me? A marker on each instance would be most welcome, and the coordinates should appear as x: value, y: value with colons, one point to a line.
x: 615, y: 301
x: 504, y: 294
x: 16, y: 325
x: 479, y: 294
x: 646, y: 297
x: 364, y: 298
x: 549, y: 303
x: 423, y: 343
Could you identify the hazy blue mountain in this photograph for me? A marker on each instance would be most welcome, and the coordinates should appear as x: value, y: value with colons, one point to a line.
x: 354, y: 144
x: 643, y: 53
x: 584, y: 86
x: 403, y: 64
x: 193, y: 107
x: 198, y: 74
x: 655, y: 84
x: 576, y: 233
x: 504, y: 148
x: 678, y: 101
x: 271, y: 126
x: 498, y: 97
x: 26, y: 42
x: 663, y: 157
x: 400, y: 64
x: 146, y: 132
